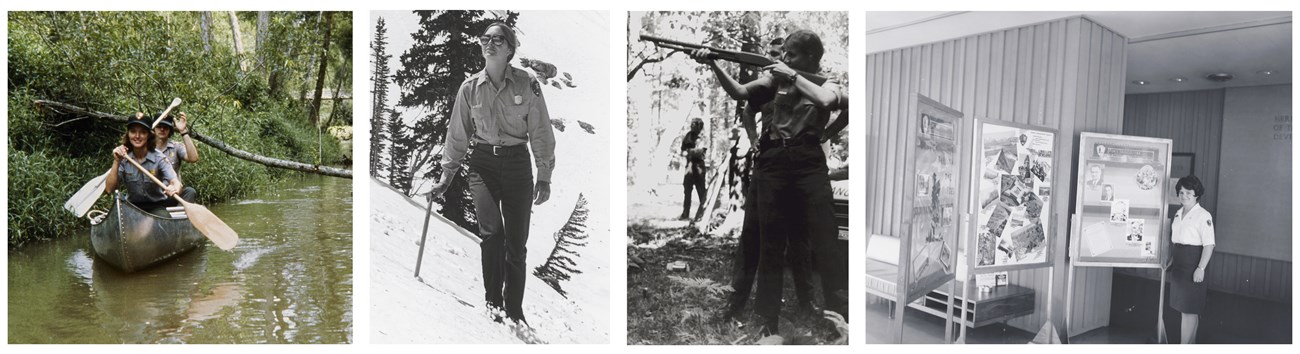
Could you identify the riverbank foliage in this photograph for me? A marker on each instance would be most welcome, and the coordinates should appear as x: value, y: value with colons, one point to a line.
x: 259, y: 99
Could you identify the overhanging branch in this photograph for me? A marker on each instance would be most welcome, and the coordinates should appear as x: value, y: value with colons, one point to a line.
x: 218, y: 144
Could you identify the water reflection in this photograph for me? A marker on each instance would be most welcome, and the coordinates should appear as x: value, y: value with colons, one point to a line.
x: 288, y: 281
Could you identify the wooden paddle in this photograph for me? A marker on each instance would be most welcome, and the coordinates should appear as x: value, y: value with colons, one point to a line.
x: 175, y: 102
x: 208, y: 223
x: 85, y: 197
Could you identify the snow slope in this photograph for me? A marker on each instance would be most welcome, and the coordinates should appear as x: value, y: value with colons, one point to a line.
x: 447, y: 306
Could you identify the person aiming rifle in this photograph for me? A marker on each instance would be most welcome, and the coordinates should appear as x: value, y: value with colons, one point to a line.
x: 791, y: 182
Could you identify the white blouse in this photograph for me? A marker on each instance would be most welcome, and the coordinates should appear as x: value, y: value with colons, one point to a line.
x: 1193, y: 227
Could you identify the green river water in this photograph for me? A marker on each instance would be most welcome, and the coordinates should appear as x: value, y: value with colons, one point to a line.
x: 288, y: 281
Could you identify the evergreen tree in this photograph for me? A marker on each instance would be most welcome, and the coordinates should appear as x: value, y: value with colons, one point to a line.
x: 380, y: 135
x: 560, y: 265
x: 399, y: 175
x: 445, y: 53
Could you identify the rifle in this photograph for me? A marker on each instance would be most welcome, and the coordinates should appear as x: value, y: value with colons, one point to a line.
x: 728, y: 55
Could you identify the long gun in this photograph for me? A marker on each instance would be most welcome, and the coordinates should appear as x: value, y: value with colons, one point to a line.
x: 728, y: 55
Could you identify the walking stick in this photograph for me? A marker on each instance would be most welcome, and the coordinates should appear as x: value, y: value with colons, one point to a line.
x: 428, y: 213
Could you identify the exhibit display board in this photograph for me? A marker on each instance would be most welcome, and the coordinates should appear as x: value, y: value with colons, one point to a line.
x: 931, y: 239
x: 1014, y: 191
x: 1121, y: 201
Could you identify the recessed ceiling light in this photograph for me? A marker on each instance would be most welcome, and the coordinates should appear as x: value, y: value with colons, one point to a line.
x: 1140, y: 82
x: 1178, y: 79
x: 1219, y: 77
x: 1264, y: 72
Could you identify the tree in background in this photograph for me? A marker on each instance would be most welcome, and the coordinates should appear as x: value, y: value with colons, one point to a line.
x: 379, y: 98
x: 444, y: 54
x: 399, y: 175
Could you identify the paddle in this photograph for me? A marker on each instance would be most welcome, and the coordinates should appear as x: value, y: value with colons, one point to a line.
x: 203, y: 219
x: 85, y: 197
x: 175, y: 102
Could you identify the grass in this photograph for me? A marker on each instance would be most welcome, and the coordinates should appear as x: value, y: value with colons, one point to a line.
x: 683, y: 306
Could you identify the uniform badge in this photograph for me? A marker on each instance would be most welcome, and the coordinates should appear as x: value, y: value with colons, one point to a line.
x: 1209, y: 222
x: 537, y: 89
x: 519, y: 99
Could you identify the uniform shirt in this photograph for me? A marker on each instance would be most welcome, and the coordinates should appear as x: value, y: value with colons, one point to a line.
x: 139, y: 188
x: 1193, y: 227
x: 174, y: 152
x: 509, y: 115
x: 694, y: 160
x: 792, y: 113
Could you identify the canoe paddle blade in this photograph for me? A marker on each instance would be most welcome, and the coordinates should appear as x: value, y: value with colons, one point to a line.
x: 211, y: 226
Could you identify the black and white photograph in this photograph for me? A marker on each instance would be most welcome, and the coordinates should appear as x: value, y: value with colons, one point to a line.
x: 1132, y: 97
x: 489, y: 177
x: 737, y: 168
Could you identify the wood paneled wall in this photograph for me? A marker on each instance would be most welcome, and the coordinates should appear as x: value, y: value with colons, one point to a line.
x: 1193, y: 119
x: 1065, y: 74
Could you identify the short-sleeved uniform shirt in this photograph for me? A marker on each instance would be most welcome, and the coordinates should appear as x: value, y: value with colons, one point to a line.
x: 792, y: 114
x: 504, y: 116
x: 694, y: 160
x: 174, y: 152
x: 139, y: 188
x: 1193, y: 227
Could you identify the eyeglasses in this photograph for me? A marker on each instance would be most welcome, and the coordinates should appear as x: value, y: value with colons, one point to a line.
x: 496, y: 40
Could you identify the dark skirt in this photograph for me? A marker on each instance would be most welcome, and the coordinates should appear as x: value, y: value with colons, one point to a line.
x: 1186, y: 295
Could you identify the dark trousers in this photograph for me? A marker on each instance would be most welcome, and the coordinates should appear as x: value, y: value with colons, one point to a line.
x: 795, y: 214
x: 693, y: 181
x: 502, y: 187
x: 745, y: 263
x: 160, y: 208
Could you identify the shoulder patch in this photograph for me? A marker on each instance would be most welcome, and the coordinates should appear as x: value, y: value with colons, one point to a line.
x: 537, y: 88
x: 1209, y: 222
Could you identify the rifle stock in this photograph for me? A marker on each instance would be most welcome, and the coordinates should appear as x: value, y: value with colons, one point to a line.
x: 728, y: 55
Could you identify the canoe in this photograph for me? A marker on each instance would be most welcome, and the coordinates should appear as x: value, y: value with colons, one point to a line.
x: 131, y: 239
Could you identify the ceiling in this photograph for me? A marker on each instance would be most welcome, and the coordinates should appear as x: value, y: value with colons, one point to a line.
x: 1162, y: 45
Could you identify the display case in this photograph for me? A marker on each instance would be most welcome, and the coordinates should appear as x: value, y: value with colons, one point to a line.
x: 1121, y: 201
x: 929, y: 247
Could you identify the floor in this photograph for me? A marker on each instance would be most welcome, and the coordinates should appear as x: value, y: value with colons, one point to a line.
x: 922, y: 328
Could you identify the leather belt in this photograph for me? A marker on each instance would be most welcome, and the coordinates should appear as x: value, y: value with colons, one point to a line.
x: 499, y: 150
x: 769, y: 142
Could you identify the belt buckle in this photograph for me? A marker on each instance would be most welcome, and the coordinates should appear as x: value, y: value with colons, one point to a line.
x: 494, y: 150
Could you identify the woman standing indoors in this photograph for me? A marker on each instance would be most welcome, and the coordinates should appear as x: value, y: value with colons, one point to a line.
x: 1193, y: 244
x: 500, y: 113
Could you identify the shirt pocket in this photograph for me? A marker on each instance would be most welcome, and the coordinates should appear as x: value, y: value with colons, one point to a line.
x: 517, y: 119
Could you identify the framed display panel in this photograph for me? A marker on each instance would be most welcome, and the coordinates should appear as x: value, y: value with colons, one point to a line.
x: 930, y: 246
x: 1121, y: 201
x: 1014, y: 172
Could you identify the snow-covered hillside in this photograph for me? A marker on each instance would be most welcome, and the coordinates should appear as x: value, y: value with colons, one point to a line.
x: 447, y: 305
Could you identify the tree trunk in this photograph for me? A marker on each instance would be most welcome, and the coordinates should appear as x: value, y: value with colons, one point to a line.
x: 263, y: 29
x: 320, y: 74
x: 337, y: 99
x: 239, y: 43
x: 219, y: 145
x: 205, y: 28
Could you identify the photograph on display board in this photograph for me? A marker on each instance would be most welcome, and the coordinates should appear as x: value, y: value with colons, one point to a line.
x: 1014, y: 195
x: 1122, y: 198
x: 934, y: 208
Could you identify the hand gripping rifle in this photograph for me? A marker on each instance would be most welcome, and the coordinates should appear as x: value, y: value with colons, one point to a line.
x: 728, y: 55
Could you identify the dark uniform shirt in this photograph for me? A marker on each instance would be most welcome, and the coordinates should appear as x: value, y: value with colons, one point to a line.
x: 139, y: 188
x: 506, y: 116
x: 694, y: 160
x: 792, y: 114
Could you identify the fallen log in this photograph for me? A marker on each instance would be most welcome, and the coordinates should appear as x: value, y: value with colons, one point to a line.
x: 218, y: 144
